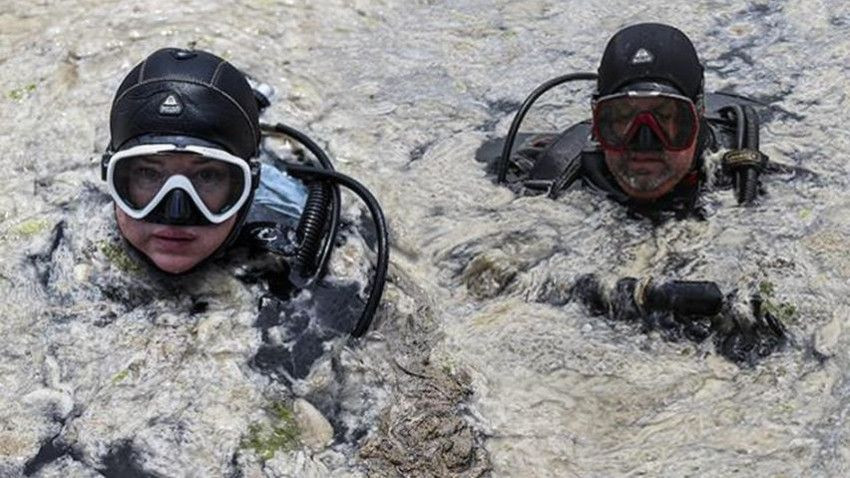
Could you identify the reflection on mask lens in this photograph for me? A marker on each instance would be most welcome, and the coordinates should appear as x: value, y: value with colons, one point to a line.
x: 673, y: 119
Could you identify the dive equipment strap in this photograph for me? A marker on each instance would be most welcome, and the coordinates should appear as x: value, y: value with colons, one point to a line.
x: 567, y: 177
x: 743, y: 158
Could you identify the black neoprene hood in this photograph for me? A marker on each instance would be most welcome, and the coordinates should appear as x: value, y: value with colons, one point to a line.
x: 650, y: 51
x: 190, y: 94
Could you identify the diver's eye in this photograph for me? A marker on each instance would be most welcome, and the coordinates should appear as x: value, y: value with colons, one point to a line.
x: 209, y: 177
x: 147, y: 174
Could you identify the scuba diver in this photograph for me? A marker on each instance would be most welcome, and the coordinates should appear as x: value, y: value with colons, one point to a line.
x: 193, y: 178
x: 652, y: 128
x: 646, y: 147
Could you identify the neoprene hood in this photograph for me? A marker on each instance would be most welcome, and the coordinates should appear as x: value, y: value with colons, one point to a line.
x: 650, y: 52
x: 188, y: 94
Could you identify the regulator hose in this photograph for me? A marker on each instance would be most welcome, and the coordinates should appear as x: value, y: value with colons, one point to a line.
x: 523, y: 110
x: 311, y: 227
x: 382, y: 239
x: 312, y: 236
x: 750, y: 174
x: 746, y: 175
x: 740, y: 125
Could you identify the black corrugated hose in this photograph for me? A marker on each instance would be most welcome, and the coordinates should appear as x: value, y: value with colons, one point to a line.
x: 382, y: 261
x: 750, y: 174
x: 311, y: 228
x: 312, y: 223
x: 315, y: 210
x: 746, y: 178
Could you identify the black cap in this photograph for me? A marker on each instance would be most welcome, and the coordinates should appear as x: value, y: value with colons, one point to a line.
x: 650, y: 52
x: 189, y: 94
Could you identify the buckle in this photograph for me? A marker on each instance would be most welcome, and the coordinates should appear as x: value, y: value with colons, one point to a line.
x: 104, y: 164
x: 744, y: 158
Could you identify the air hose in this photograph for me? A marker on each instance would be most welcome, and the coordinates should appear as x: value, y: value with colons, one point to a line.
x: 382, y: 262
x: 523, y: 110
x: 313, y: 219
x: 751, y: 173
x: 311, y: 226
x: 746, y: 161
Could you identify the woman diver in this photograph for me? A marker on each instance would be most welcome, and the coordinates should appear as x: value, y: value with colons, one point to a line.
x: 184, y: 170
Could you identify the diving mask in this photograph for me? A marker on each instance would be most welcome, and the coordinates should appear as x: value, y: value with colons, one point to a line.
x: 179, y: 184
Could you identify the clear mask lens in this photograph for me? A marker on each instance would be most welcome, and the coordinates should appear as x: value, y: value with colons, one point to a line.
x: 217, y: 183
x: 138, y: 180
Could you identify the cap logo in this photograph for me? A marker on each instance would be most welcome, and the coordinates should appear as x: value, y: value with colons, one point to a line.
x: 642, y: 56
x: 171, y: 106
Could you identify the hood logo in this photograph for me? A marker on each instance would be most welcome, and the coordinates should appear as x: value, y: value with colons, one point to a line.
x: 642, y: 56
x: 171, y: 106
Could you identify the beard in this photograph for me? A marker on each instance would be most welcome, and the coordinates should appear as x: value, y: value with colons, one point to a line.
x: 649, y: 175
x: 642, y: 181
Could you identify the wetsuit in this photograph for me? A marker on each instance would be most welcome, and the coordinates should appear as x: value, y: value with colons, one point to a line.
x: 554, y: 162
x: 296, y: 323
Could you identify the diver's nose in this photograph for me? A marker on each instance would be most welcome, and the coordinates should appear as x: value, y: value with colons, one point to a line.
x: 178, y: 207
x: 645, y: 139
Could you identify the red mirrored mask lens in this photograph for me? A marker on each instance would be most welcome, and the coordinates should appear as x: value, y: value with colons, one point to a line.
x: 618, y: 118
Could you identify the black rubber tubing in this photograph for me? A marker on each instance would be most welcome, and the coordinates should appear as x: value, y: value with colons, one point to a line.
x: 740, y: 125
x: 382, y: 261
x: 336, y: 199
x: 523, y: 110
x: 751, y: 174
x: 747, y: 137
x: 310, y: 228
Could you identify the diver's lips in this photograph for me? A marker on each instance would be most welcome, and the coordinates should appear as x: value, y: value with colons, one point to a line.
x: 173, y: 235
x: 171, y: 246
x: 172, y: 241
x: 645, y: 165
x: 646, y: 159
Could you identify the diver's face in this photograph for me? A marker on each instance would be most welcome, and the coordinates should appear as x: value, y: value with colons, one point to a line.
x: 648, y: 175
x: 173, y: 249
x: 642, y: 139
x: 176, y: 249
